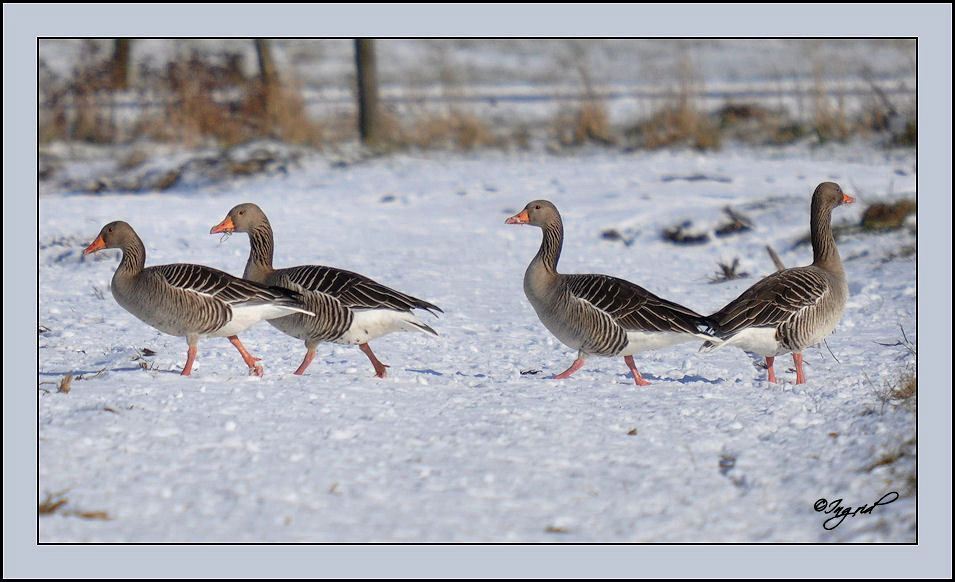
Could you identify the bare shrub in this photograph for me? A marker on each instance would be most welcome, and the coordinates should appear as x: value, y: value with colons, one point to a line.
x: 886, y: 215
x: 279, y: 111
x: 454, y: 128
x: 828, y: 118
x: 70, y: 108
x: 590, y: 123
x: 199, y: 100
x: 756, y: 124
x: 678, y: 121
x: 728, y: 272
x: 908, y: 135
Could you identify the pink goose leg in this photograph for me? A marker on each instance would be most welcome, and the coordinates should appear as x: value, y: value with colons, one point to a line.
x: 190, y: 359
x: 769, y: 366
x: 800, y: 375
x: 254, y: 368
x: 637, y: 378
x: 578, y: 364
x: 380, y: 369
x: 309, y: 354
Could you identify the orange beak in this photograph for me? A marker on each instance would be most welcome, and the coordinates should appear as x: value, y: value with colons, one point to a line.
x: 519, y: 218
x: 846, y: 199
x: 97, y: 245
x: 224, y: 226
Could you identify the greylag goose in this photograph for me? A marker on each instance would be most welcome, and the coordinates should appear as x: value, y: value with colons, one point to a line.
x: 190, y: 301
x: 348, y: 308
x: 598, y: 314
x: 791, y: 309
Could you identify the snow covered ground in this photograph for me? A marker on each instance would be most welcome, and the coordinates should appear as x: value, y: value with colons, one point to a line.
x: 457, y: 444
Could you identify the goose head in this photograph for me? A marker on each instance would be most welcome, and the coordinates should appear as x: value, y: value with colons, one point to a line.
x: 537, y: 213
x: 242, y: 218
x: 114, y: 235
x: 828, y: 195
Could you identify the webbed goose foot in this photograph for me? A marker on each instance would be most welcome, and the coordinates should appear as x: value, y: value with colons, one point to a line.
x: 381, y: 370
x: 637, y: 378
x: 255, y: 369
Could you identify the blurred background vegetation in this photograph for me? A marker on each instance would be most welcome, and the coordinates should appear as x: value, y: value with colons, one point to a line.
x: 464, y: 94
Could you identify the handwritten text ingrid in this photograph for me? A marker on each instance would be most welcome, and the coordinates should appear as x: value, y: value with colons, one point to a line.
x: 841, y: 512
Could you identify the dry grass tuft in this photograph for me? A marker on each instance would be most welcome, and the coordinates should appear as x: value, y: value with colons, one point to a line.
x: 828, y: 118
x: 737, y: 223
x: 900, y: 391
x: 51, y: 503
x: 69, y: 109
x: 588, y: 124
x: 684, y: 234
x: 197, y: 111
x: 679, y: 124
x: 56, y: 503
x: 728, y: 272
x: 756, y: 124
x: 887, y: 216
x: 199, y: 101
x: 907, y: 386
x: 680, y: 121
x: 909, y: 136
x: 454, y: 128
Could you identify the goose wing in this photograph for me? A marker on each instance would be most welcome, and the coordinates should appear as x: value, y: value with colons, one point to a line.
x: 772, y: 301
x: 633, y: 307
x: 353, y: 290
x: 216, y: 285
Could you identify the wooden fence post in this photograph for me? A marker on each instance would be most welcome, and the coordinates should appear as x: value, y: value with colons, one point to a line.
x: 369, y: 118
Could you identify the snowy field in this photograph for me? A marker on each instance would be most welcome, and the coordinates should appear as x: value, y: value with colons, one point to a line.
x: 457, y: 445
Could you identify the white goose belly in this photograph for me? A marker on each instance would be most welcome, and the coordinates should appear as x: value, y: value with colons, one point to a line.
x: 764, y: 340
x: 368, y: 324
x: 642, y: 341
x: 245, y: 316
x: 758, y: 340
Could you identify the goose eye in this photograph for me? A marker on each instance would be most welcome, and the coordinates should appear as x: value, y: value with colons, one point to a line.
x: 538, y: 207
